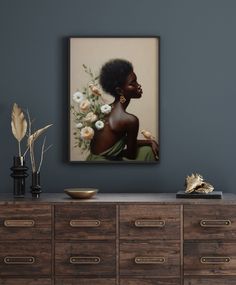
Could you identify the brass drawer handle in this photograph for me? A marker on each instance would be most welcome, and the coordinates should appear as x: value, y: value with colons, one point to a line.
x: 19, y: 260
x: 19, y: 223
x: 149, y: 223
x: 85, y: 260
x: 215, y: 223
x: 84, y: 223
x: 214, y: 260
x: 149, y: 260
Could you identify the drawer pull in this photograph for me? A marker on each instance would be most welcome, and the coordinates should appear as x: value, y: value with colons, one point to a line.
x: 149, y: 223
x: 19, y: 260
x: 214, y: 260
x: 85, y: 260
x: 149, y: 260
x: 84, y: 223
x: 215, y: 223
x: 19, y: 223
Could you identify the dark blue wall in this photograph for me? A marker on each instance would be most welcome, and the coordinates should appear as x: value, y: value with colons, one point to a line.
x: 198, y: 83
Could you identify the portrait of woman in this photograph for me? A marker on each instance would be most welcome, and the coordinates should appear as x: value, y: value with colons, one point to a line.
x: 112, y: 118
x: 118, y: 139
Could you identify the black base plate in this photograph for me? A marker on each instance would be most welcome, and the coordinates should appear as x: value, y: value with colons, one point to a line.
x: 194, y: 195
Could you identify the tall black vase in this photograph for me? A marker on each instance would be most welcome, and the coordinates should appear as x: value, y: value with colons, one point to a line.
x: 35, y: 187
x: 19, y: 175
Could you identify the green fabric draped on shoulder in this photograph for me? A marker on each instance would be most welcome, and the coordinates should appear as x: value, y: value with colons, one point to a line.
x: 113, y: 153
x: 144, y: 153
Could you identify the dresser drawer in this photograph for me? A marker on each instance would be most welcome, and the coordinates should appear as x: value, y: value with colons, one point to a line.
x: 76, y: 281
x: 22, y: 281
x: 86, y: 259
x: 210, y: 281
x: 153, y: 259
x: 25, y: 258
x: 215, y: 258
x: 142, y: 222
x: 85, y: 222
x: 25, y: 222
x: 209, y: 222
x: 153, y: 281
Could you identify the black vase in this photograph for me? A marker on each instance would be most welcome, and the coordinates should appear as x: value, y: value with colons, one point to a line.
x: 19, y: 175
x: 35, y: 187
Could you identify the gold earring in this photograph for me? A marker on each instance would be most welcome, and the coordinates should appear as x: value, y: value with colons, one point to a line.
x: 122, y: 99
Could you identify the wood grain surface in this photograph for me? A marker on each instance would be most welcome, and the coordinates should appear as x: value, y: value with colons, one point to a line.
x: 106, y: 251
x: 169, y: 250
x: 23, y: 281
x: 40, y: 214
x: 82, y: 281
x: 105, y: 214
x: 210, y: 281
x: 194, y: 215
x: 148, y: 281
x: 170, y: 216
x: 127, y: 229
x: 41, y: 252
x: 193, y: 252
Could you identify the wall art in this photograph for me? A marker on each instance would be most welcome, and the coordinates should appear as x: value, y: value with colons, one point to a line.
x: 114, y: 99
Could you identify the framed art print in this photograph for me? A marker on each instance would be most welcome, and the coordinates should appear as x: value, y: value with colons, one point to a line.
x: 114, y: 99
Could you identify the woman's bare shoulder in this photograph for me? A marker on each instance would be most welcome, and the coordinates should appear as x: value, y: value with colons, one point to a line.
x: 130, y: 118
x: 123, y: 120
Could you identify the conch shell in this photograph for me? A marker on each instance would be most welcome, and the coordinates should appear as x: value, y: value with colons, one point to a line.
x: 205, y: 188
x: 195, y: 183
x: 192, y: 182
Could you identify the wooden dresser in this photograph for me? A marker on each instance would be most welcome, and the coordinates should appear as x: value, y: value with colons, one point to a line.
x: 117, y: 239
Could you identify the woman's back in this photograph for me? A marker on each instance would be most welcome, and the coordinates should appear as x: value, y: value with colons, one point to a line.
x: 115, y: 129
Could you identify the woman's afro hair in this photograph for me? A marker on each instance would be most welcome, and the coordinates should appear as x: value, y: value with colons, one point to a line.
x: 113, y: 74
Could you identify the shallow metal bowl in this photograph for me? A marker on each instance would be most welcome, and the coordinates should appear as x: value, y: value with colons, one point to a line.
x: 81, y: 193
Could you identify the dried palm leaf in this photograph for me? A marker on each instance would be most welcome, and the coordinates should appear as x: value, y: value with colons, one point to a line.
x: 32, y: 138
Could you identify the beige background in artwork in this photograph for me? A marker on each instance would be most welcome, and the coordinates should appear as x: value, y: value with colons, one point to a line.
x: 141, y: 52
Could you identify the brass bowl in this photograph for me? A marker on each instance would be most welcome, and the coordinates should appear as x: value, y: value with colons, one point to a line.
x: 81, y: 193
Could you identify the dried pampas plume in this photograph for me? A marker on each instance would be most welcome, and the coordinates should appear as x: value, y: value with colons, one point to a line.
x: 18, y: 124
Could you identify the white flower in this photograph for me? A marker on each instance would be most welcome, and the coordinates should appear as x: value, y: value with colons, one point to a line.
x: 99, y: 125
x: 90, y: 117
x: 84, y: 105
x: 78, y: 97
x: 79, y: 125
x: 87, y: 133
x: 105, y: 109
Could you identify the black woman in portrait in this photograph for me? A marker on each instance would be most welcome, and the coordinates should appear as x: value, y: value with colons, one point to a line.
x: 118, y: 140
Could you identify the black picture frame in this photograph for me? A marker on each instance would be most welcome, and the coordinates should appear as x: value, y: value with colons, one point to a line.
x: 86, y: 56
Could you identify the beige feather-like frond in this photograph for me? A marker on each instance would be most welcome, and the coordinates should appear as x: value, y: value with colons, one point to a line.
x: 18, y: 123
x: 36, y: 134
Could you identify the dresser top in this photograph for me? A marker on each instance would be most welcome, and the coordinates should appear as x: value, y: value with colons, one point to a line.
x: 155, y: 198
